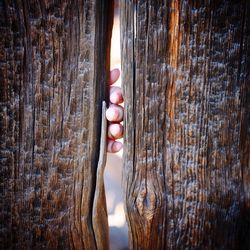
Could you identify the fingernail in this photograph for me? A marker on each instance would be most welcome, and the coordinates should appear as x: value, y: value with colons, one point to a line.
x: 117, y: 146
x: 112, y: 114
x: 114, y: 98
x: 115, y: 129
x: 115, y: 73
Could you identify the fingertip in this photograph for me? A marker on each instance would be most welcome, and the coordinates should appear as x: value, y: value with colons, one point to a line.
x: 114, y: 146
x: 115, y: 97
x: 117, y: 146
x: 115, y: 131
x: 114, y: 75
x: 112, y: 114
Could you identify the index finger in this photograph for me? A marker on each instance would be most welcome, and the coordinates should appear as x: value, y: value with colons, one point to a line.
x: 114, y: 75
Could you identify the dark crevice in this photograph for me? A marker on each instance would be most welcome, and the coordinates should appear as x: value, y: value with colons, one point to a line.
x: 103, y: 31
x: 134, y: 88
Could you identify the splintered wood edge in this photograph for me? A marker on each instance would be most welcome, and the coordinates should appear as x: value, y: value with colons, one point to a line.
x: 103, y: 140
x: 99, y: 215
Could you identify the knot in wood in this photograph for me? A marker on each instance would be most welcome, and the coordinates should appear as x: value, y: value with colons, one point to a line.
x: 146, y: 203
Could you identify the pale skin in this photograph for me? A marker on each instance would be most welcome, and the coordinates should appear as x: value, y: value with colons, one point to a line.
x: 114, y: 114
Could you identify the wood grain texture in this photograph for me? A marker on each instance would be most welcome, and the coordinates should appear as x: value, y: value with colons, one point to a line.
x: 99, y: 216
x: 185, y: 73
x: 54, y: 59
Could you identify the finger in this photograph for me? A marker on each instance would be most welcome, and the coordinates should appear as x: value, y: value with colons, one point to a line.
x: 114, y: 75
x: 114, y: 146
x: 115, y: 131
x: 116, y: 95
x: 114, y: 113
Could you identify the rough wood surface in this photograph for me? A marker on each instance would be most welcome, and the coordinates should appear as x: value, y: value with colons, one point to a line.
x: 185, y: 73
x: 54, y: 59
x: 99, y: 216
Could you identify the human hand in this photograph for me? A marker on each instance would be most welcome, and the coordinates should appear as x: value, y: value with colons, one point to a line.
x: 114, y: 114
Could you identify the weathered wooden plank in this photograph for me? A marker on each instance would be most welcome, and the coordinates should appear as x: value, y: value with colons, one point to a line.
x: 99, y: 215
x: 54, y: 59
x: 186, y: 156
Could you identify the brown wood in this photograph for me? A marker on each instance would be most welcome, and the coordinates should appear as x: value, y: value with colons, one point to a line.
x: 99, y: 215
x: 54, y: 59
x: 185, y: 71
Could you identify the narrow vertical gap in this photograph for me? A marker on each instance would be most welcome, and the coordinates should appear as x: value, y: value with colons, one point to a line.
x: 113, y: 170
